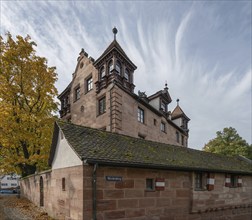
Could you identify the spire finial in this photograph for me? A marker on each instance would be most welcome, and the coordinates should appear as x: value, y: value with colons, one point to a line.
x: 165, y: 83
x: 177, y: 101
x: 114, y: 30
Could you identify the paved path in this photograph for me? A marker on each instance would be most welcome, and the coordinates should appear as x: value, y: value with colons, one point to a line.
x: 10, y: 213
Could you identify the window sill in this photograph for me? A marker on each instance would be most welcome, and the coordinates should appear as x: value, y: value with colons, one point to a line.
x: 100, y: 114
x: 88, y: 91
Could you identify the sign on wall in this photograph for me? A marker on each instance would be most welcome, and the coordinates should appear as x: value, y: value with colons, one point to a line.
x: 114, y: 178
x: 160, y: 184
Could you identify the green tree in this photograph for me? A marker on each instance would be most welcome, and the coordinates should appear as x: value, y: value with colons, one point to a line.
x: 229, y: 142
x: 27, y: 105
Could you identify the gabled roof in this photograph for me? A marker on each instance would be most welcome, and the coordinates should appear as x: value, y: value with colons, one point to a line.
x: 177, y: 113
x: 115, y: 46
x: 106, y: 148
x: 162, y: 93
x: 165, y: 95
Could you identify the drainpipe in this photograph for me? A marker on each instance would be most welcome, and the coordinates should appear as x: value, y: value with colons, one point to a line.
x: 94, y: 191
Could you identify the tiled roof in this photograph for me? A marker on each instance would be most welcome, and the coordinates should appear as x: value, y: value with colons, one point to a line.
x: 115, y: 45
x: 97, y: 146
x: 178, y: 112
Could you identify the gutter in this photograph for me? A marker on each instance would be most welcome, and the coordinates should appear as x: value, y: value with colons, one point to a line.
x: 94, y: 191
x: 163, y: 167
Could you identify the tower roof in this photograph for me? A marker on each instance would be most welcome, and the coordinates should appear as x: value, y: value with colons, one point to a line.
x: 178, y: 112
x: 115, y: 46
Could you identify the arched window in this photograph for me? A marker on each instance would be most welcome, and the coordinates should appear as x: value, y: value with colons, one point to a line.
x: 102, y: 72
x: 118, y: 67
x: 110, y: 66
x: 126, y: 75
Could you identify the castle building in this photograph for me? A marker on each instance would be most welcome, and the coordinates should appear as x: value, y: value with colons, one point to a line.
x: 101, y: 95
x: 125, y: 156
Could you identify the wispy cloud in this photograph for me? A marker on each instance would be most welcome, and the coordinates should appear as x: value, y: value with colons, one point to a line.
x: 202, y: 49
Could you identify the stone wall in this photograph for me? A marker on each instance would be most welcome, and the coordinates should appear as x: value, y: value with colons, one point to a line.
x: 223, y: 197
x: 129, y: 199
x: 58, y: 202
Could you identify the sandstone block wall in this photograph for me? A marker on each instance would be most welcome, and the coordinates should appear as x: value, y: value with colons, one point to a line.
x: 58, y: 203
x: 129, y: 199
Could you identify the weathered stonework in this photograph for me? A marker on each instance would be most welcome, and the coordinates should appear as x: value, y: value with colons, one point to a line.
x: 129, y: 198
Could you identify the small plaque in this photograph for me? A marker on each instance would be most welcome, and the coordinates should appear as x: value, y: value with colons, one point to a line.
x: 114, y: 178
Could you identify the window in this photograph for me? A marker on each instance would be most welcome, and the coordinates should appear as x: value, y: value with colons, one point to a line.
x: 233, y: 180
x: 111, y: 67
x: 155, y: 121
x: 89, y: 84
x: 102, y: 72
x: 162, y: 126
x: 118, y: 67
x: 81, y: 64
x: 200, y: 181
x: 64, y: 184
x: 184, y: 123
x: 163, y: 106
x: 102, y: 106
x: 77, y: 93
x: 177, y: 136
x: 140, y: 115
x: 4, y: 184
x: 65, y: 101
x: 13, y: 184
x: 150, y: 184
x: 126, y: 74
x: 182, y: 140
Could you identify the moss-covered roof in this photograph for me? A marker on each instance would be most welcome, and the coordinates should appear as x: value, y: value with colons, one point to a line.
x: 97, y: 146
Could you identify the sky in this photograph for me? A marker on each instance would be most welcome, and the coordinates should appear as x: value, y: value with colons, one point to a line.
x: 202, y: 49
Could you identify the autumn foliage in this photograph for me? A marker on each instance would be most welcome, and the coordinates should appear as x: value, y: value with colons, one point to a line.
x: 228, y: 142
x: 27, y: 105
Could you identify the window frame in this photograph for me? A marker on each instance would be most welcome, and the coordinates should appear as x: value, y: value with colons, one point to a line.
x: 163, y: 105
x: 163, y: 127
x: 77, y: 93
x: 182, y: 140
x: 140, y: 115
x: 102, y: 72
x: 89, y: 83
x: 127, y: 75
x: 118, y: 67
x: 200, y: 181
x: 102, y: 105
x: 233, y: 181
x: 177, y: 137
x: 149, y: 184
x: 63, y: 184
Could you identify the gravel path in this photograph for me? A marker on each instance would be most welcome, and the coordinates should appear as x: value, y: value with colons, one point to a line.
x: 13, y: 208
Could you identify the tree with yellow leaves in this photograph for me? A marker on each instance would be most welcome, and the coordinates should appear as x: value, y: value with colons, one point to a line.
x: 27, y: 106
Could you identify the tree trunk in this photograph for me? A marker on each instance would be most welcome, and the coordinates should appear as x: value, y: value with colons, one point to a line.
x: 27, y: 169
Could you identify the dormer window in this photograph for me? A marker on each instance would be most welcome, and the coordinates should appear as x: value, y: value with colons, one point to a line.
x: 163, y: 106
x: 184, y: 123
x: 126, y: 74
x: 102, y: 72
x: 118, y: 67
x: 110, y: 66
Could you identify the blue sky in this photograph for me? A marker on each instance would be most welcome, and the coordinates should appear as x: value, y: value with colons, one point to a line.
x: 201, y: 48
